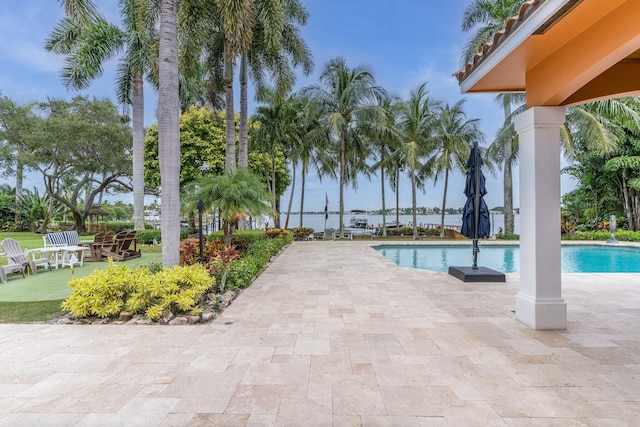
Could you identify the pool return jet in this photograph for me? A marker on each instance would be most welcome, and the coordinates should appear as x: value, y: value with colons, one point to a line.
x: 476, y: 223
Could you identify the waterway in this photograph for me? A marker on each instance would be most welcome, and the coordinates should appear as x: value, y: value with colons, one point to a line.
x: 317, y: 221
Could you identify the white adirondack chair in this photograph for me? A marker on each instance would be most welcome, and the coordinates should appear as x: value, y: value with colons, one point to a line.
x: 19, y: 260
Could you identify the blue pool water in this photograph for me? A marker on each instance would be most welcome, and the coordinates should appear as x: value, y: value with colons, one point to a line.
x: 506, y: 259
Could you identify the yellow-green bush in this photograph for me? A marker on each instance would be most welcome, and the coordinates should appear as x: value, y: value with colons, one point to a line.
x: 107, y: 292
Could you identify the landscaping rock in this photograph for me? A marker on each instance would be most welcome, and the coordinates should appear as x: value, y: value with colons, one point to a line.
x: 125, y: 316
x: 180, y: 320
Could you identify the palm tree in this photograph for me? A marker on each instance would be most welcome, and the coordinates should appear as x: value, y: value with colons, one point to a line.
x: 277, y: 127
x: 169, y: 133
x: 347, y: 96
x: 88, y: 41
x: 263, y: 34
x: 276, y: 48
x: 455, y: 134
x: 314, y: 140
x: 417, y: 125
x: 385, y: 138
x: 14, y: 121
x: 486, y: 17
x: 233, y: 194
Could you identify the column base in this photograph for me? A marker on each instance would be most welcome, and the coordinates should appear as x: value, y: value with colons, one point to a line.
x: 541, y: 313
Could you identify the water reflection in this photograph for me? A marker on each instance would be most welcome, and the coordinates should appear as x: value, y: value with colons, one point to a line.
x: 506, y: 258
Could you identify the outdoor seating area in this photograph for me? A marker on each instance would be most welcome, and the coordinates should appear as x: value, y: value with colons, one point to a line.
x: 66, y: 249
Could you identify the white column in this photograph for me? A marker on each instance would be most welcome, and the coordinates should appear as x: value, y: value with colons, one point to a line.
x: 539, y: 303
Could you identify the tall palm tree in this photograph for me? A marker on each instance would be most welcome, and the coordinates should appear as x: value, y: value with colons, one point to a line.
x: 88, y: 41
x: 455, y: 134
x: 237, y: 19
x: 385, y: 138
x: 276, y: 129
x: 14, y: 121
x: 262, y: 34
x: 276, y: 49
x: 417, y: 124
x: 348, y: 98
x: 169, y: 132
x: 314, y: 140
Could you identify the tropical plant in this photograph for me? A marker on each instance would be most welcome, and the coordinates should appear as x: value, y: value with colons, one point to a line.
x: 454, y: 133
x: 485, y: 18
x: 385, y: 138
x: 234, y: 193
x: 348, y: 98
x: 417, y: 126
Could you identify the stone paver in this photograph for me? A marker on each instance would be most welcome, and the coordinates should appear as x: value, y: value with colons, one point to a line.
x: 332, y: 333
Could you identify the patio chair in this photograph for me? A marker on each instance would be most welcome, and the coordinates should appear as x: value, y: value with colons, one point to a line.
x: 329, y: 233
x: 10, y: 269
x: 99, y: 241
x: 121, y: 249
x: 18, y: 260
x: 54, y: 239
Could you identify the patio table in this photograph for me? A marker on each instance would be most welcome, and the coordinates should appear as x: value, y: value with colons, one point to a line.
x: 62, y: 256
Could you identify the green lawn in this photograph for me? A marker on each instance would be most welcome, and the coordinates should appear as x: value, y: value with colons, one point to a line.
x: 37, y: 298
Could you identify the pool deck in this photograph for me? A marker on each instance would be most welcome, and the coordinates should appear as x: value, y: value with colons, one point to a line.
x: 333, y: 333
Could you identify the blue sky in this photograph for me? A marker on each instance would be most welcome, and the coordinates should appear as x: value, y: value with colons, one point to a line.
x: 403, y: 43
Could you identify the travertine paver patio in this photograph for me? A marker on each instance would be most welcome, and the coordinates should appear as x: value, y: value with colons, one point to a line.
x: 334, y: 334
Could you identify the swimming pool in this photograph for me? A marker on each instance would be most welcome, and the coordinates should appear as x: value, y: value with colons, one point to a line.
x: 506, y: 258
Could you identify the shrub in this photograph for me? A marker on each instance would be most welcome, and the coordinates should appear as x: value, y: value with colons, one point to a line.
x: 275, y: 233
x: 146, y: 237
x: 106, y: 293
x: 242, y: 271
x: 239, y: 236
x: 501, y: 236
x: 302, y: 233
x: 179, y: 290
x: 622, y: 235
x: 103, y: 293
x: 190, y: 251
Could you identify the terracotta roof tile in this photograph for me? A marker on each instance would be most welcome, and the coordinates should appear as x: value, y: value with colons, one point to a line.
x: 525, y: 9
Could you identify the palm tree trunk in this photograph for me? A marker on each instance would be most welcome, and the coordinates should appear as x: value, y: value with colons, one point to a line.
x: 398, y: 197
x: 169, y: 134
x: 384, y: 209
x: 304, y: 179
x: 509, y: 222
x: 627, y: 206
x: 342, y: 149
x: 413, y: 204
x: 293, y: 188
x: 230, y: 124
x: 276, y: 219
x: 637, y: 212
x: 137, y: 101
x: 243, y: 146
x: 444, y: 202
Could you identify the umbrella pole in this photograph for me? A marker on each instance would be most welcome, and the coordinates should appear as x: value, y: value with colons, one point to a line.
x: 476, y: 205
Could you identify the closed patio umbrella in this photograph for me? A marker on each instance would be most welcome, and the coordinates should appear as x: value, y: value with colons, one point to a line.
x: 476, y: 223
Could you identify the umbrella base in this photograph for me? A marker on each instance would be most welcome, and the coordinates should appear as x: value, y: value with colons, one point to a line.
x: 481, y: 274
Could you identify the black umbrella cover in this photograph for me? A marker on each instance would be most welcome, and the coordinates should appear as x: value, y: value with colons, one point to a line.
x: 475, y: 180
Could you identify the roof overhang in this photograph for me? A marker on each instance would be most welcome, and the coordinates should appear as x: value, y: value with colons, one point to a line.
x: 562, y: 53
